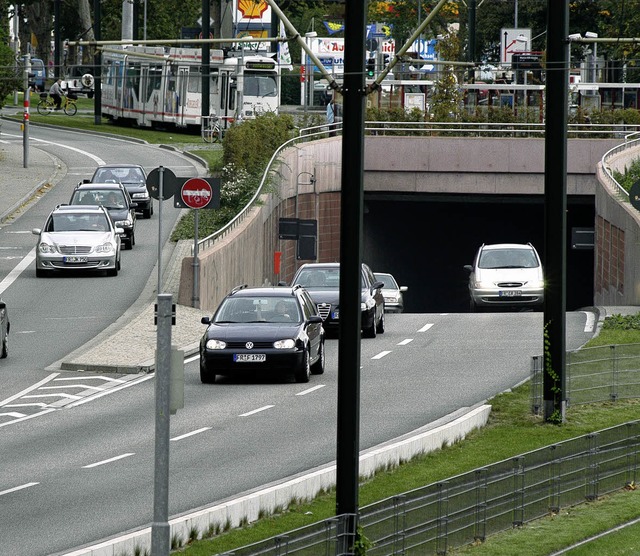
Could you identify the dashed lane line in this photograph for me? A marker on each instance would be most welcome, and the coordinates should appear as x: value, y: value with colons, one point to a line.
x: 110, y: 460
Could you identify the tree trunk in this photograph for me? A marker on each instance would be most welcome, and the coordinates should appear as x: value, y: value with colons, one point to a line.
x: 40, y: 19
x: 84, y: 14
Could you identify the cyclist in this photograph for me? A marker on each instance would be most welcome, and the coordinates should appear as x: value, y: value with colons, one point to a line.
x: 56, y: 93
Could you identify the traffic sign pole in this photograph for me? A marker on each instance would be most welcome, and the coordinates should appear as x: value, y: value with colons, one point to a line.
x: 161, y: 197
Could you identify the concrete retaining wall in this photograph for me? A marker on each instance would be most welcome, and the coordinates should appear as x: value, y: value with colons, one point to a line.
x: 617, y: 264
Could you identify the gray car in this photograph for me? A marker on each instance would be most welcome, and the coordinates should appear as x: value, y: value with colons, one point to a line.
x: 392, y: 292
x: 76, y: 238
x: 506, y: 275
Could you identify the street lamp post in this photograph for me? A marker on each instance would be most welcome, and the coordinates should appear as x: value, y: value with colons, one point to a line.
x: 593, y: 77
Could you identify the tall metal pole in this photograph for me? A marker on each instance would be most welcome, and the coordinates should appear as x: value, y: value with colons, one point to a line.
x: 471, y: 51
x: 25, y: 116
x: 160, y: 200
x: 206, y: 59
x: 555, y: 204
x: 195, y: 298
x: 351, y: 232
x: 160, y: 530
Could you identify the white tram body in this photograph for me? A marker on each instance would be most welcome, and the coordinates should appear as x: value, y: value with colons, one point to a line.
x: 160, y: 85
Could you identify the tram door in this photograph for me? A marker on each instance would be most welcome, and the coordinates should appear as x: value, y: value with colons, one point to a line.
x: 228, y: 97
x: 181, y: 89
x: 144, y: 94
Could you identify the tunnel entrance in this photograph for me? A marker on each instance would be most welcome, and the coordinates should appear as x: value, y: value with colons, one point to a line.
x: 425, y: 240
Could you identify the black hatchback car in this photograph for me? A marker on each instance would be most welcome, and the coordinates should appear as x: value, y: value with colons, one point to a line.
x: 322, y: 281
x: 115, y: 198
x: 270, y: 330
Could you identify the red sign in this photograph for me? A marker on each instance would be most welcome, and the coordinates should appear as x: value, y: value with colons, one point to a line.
x: 196, y: 193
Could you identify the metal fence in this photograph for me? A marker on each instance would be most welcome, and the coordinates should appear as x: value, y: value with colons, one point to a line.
x: 595, y: 374
x: 469, y: 507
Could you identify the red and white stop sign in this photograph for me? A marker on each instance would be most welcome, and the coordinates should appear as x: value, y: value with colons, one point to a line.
x: 196, y: 193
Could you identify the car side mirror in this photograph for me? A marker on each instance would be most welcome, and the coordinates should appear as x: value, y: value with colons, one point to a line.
x: 468, y: 268
x: 133, y: 205
x: 36, y: 231
x: 315, y: 319
x: 282, y: 283
x: 120, y: 231
x: 205, y: 320
x: 404, y: 288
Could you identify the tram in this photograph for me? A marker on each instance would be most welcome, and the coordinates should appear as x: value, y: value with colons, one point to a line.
x: 153, y: 86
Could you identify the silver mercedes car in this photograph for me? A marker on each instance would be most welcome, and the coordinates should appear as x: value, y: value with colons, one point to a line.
x: 78, y: 237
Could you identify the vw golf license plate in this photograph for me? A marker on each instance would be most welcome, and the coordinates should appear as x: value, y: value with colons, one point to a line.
x: 75, y: 259
x: 510, y: 293
x: 249, y: 357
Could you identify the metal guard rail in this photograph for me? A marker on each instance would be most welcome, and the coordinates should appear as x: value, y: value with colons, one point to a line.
x: 629, y: 142
x: 481, y: 128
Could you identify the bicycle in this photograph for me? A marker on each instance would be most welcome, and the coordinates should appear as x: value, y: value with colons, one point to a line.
x: 47, y: 104
x: 211, y: 130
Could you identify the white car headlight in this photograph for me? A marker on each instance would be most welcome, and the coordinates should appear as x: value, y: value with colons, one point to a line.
x: 215, y: 344
x: 284, y: 344
x: 123, y: 223
x: 107, y: 247
x: 47, y: 248
x: 536, y: 284
x: 140, y: 196
x: 483, y: 285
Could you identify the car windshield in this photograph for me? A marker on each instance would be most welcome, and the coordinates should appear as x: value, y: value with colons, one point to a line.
x: 109, y: 199
x: 262, y: 309
x: 507, y: 258
x: 122, y: 175
x: 319, y: 278
x: 387, y: 280
x: 79, y: 223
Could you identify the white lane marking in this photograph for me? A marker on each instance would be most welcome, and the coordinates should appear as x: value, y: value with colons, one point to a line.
x: 590, y: 323
x: 30, y: 389
x: 308, y: 391
x: 69, y: 396
x: 111, y: 390
x: 405, y: 342
x: 40, y: 405
x: 93, y: 157
x: 21, y: 487
x: 86, y: 387
x: 257, y: 410
x: 192, y: 358
x: 13, y: 414
x: 381, y: 355
x: 17, y: 270
x: 27, y: 417
x: 110, y: 460
x: 425, y: 327
x: 187, y: 435
x: 96, y: 377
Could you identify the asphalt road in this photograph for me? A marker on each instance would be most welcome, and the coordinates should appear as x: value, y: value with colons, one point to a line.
x: 77, y: 475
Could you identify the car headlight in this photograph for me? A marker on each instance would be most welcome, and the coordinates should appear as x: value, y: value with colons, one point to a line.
x: 392, y: 298
x: 140, y: 196
x: 215, y: 344
x: 47, y: 248
x: 536, y: 284
x: 124, y: 223
x: 107, y: 247
x: 284, y: 344
x: 483, y: 285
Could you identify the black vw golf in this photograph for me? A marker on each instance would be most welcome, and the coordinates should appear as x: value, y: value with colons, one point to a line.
x: 274, y: 330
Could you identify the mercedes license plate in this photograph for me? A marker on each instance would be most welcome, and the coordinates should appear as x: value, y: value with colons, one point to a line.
x: 75, y: 259
x: 249, y: 357
x: 510, y: 293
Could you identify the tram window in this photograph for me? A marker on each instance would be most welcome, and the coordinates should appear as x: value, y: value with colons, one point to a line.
x: 214, y: 84
x: 155, y: 78
x: 260, y: 85
x: 194, y: 82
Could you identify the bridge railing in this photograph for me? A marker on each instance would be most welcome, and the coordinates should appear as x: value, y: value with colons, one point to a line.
x: 631, y: 140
